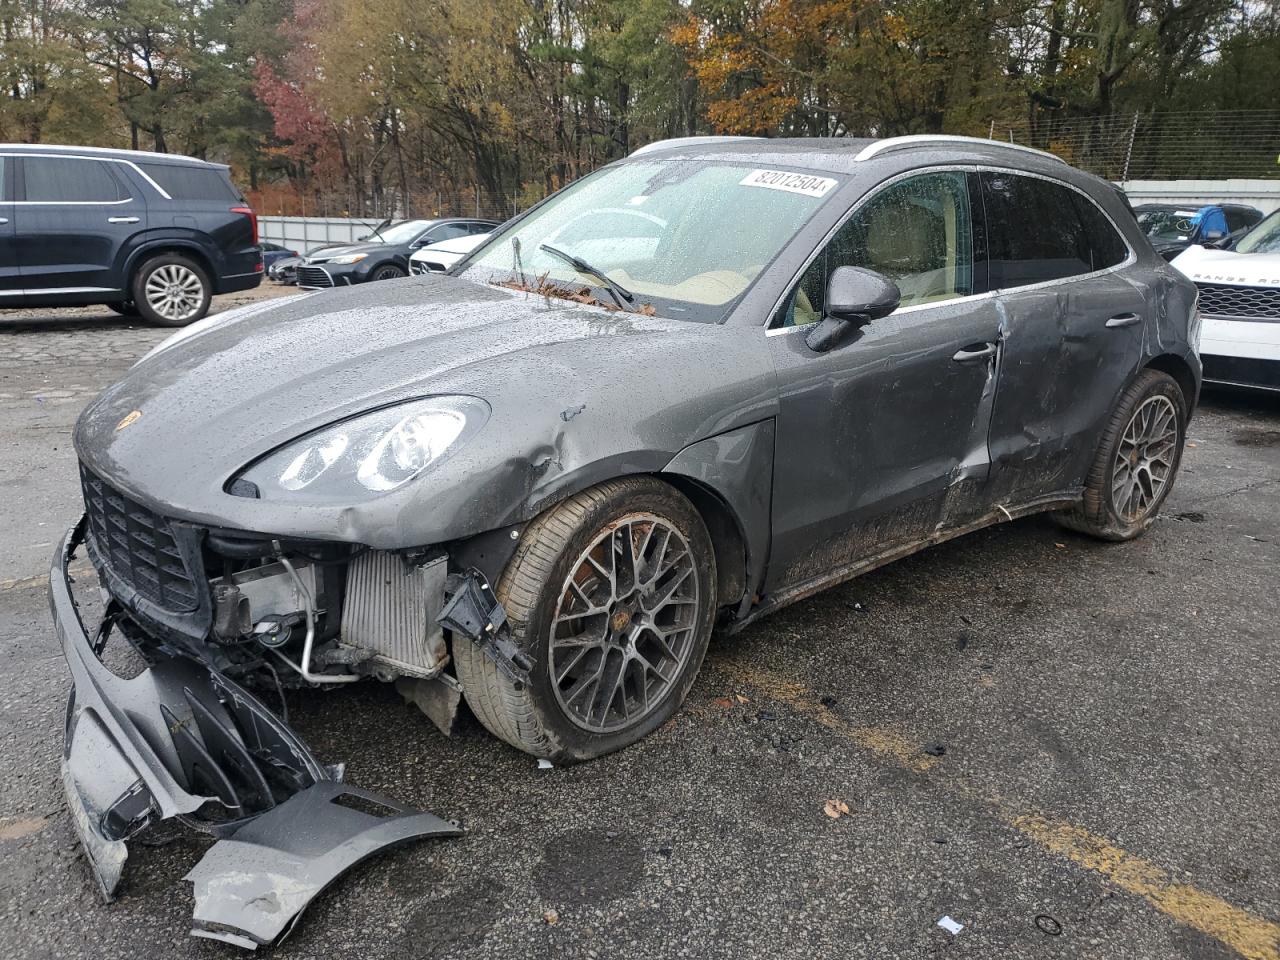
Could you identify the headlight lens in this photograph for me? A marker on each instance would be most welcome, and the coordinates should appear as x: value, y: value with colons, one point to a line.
x: 349, y: 258
x: 373, y: 453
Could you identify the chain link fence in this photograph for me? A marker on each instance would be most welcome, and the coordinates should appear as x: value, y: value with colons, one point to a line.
x: 1198, y: 144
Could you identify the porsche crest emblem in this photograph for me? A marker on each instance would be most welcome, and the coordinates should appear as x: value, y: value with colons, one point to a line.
x: 130, y: 418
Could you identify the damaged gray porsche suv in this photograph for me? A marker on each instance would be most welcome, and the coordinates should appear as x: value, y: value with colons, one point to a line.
x: 696, y: 385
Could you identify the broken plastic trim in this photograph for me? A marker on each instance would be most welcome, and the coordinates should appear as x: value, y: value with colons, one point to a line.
x: 181, y: 739
x: 472, y: 611
x: 251, y: 888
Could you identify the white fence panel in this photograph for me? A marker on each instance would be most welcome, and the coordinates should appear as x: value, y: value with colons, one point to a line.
x: 1263, y: 194
x: 302, y: 233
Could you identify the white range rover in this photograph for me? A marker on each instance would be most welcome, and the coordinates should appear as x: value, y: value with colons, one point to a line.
x: 1240, y: 307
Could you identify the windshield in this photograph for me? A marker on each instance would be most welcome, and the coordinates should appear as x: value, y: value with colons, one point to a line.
x: 1264, y: 238
x: 402, y: 232
x: 684, y: 237
x: 1167, y: 224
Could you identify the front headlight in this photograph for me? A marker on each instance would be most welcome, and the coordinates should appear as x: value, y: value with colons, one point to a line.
x: 349, y: 258
x: 370, y: 454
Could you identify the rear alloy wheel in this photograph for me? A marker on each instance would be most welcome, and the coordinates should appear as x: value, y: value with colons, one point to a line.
x: 1136, y: 462
x: 171, y: 290
x: 611, y: 593
x: 388, y: 271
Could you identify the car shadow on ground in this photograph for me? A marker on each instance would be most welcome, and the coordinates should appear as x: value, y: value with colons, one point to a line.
x: 77, y: 322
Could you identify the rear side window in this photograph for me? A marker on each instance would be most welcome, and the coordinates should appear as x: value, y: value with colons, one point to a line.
x: 1034, y: 231
x: 70, y: 180
x: 184, y: 182
x: 1106, y: 248
x: 1239, y: 219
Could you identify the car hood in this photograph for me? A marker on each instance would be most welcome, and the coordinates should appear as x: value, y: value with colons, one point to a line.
x: 570, y: 387
x: 328, y: 253
x: 1226, y: 266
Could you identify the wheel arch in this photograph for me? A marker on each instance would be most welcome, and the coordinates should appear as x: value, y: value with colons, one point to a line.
x: 158, y: 248
x: 1182, y: 373
x: 725, y: 529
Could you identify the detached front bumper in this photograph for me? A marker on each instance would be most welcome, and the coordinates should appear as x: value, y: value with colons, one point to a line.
x: 180, y: 739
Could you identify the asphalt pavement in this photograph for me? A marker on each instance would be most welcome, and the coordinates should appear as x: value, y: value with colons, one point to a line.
x: 1070, y: 748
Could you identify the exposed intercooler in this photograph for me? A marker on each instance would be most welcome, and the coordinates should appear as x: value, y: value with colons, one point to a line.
x: 391, y: 608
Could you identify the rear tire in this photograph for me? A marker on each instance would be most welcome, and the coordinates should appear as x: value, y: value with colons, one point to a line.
x: 171, y: 290
x: 125, y: 308
x: 388, y: 271
x: 576, y: 623
x: 1137, y: 461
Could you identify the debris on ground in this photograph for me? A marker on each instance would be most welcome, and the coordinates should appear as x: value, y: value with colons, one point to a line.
x: 935, y: 750
x: 828, y: 701
x: 1048, y: 925
x: 544, y: 763
x: 550, y: 917
x: 835, y: 809
x: 951, y: 926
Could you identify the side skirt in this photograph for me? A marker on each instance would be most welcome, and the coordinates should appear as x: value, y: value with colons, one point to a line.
x: 807, y: 588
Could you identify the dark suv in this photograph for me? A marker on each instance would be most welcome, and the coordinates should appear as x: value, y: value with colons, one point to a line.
x: 147, y: 233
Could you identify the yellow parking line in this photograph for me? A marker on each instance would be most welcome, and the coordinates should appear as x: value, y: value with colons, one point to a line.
x: 22, y: 583
x: 1250, y: 936
x: 882, y: 741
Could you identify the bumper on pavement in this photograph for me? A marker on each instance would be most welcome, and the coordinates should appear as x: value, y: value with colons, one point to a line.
x: 182, y: 739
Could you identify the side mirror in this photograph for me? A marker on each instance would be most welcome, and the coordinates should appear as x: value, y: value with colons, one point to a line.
x: 855, y: 297
x: 421, y: 242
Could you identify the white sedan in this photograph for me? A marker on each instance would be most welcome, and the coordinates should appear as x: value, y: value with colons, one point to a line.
x: 1240, y: 307
x: 439, y: 257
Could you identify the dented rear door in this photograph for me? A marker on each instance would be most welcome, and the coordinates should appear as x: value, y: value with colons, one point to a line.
x: 1071, y: 333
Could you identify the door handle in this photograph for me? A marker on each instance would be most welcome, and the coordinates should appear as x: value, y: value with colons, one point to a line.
x: 975, y: 352
x: 4, y: 219
x: 1123, y: 320
x: 122, y: 219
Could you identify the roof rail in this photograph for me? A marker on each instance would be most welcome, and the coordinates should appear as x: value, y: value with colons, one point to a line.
x: 36, y: 147
x: 686, y: 141
x: 894, y: 143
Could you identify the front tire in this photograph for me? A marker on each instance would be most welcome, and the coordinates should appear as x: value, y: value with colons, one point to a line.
x: 171, y: 290
x: 611, y: 593
x: 1136, y: 463
x: 388, y: 271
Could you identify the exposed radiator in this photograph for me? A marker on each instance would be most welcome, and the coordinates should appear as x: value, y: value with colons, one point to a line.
x: 391, y: 608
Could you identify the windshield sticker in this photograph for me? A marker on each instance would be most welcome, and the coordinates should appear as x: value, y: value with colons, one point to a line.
x: 807, y: 184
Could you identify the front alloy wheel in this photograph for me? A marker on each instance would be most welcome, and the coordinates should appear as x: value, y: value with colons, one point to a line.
x: 624, y: 625
x: 611, y: 593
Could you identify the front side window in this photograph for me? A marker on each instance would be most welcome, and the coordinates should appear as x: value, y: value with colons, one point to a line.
x: 446, y: 231
x: 1038, y: 230
x: 684, y: 238
x: 69, y: 180
x: 917, y: 232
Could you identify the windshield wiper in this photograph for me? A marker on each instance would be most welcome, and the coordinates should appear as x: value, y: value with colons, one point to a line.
x: 616, y: 290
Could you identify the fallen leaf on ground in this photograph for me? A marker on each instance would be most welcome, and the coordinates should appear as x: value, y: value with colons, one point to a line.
x: 550, y: 918
x: 835, y: 809
x: 722, y: 702
x: 740, y: 698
